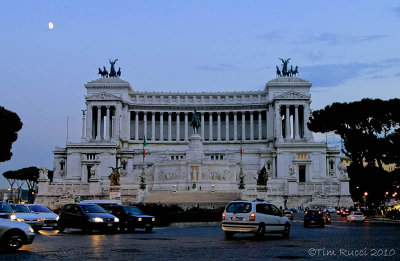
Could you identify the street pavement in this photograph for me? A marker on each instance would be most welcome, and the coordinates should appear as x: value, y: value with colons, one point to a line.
x: 340, y: 240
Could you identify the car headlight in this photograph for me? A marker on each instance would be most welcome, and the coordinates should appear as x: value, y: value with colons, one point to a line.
x: 20, y: 220
x: 57, y: 218
x: 97, y: 219
x: 31, y: 229
x: 116, y: 219
x: 13, y: 217
x: 153, y: 219
x: 139, y: 219
x: 41, y: 219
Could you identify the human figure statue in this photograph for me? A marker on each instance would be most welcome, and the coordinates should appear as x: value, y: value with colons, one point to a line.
x: 196, y: 123
x: 114, y: 176
x: 284, y: 68
x: 119, y: 72
x: 113, y: 73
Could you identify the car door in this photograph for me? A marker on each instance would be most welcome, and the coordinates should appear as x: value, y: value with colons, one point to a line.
x: 275, y: 217
x: 264, y: 215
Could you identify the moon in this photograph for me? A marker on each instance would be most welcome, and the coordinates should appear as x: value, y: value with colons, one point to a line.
x: 51, y: 25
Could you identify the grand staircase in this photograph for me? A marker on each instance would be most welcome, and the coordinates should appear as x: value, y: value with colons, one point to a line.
x: 191, y: 198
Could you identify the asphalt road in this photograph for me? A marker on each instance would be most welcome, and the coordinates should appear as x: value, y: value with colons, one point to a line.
x: 337, y: 241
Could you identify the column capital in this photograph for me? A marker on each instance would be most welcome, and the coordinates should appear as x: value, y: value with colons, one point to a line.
x: 235, y: 112
x: 251, y: 112
x: 296, y: 105
x: 218, y: 112
x: 108, y: 106
x: 153, y: 112
x: 186, y: 113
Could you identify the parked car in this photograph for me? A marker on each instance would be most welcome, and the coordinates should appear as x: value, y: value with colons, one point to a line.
x: 314, y: 217
x: 87, y: 217
x: 355, y: 217
x: 6, y: 211
x: 294, y: 210
x: 327, y: 217
x: 289, y: 214
x: 14, y: 235
x: 331, y: 210
x: 130, y: 217
x: 23, y: 214
x: 50, y: 218
x: 254, y: 217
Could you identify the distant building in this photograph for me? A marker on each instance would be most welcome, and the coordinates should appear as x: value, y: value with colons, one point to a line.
x: 239, y: 130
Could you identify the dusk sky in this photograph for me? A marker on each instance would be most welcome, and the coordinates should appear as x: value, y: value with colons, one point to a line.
x: 348, y: 50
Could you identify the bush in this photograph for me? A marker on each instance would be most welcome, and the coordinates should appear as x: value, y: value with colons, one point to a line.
x: 166, y: 215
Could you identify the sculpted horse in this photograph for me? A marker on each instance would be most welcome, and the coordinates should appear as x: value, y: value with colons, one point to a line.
x: 119, y: 72
x: 113, y: 73
x: 105, y: 72
x: 278, y: 72
x: 296, y: 71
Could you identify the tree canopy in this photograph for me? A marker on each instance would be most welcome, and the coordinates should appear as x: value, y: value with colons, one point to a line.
x: 30, y: 175
x: 370, y: 130
x: 10, y: 124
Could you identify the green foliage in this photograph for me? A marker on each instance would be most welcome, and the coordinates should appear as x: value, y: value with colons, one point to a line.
x: 29, y: 174
x: 370, y: 130
x: 10, y: 124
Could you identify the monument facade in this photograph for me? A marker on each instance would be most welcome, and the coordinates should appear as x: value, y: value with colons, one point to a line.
x: 198, y: 142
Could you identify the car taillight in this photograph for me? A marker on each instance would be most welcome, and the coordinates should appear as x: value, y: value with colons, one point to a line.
x: 363, y: 217
x: 306, y: 212
x: 252, y: 217
x: 319, y: 212
x: 223, y: 216
x: 291, y: 212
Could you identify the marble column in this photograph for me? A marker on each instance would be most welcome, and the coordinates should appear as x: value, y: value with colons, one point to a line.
x: 153, y: 125
x: 306, y: 118
x: 227, y: 126
x: 98, y: 137
x: 186, y: 126
x: 108, y: 123
x: 210, y: 129
x: 235, y: 125
x: 278, y: 121
x: 83, y: 125
x: 251, y: 126
x: 178, y: 123
x: 267, y: 132
x: 117, y: 122
x: 243, y: 125
x: 145, y: 125
x: 296, y: 122
x: 161, y: 126
x: 89, y: 122
x: 259, y: 126
x: 218, y: 126
x: 136, y: 125
x: 274, y: 170
x: 287, y: 122
x: 169, y: 126
x: 84, y: 175
x: 202, y: 125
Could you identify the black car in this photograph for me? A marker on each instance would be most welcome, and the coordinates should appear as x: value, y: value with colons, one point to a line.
x: 87, y: 217
x: 314, y: 217
x: 6, y: 211
x: 131, y: 217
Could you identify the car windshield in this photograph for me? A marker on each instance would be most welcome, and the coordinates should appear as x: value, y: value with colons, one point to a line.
x: 5, y: 208
x: 20, y: 208
x: 238, y: 207
x: 39, y: 208
x: 133, y: 210
x: 357, y: 213
x: 93, y: 209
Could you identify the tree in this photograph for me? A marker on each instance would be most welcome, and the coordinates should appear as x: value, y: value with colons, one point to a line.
x: 10, y: 124
x: 370, y: 129
x: 16, y: 177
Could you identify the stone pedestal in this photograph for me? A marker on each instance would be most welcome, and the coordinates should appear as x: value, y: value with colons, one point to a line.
x: 196, y: 150
x: 115, y: 192
x: 293, y: 187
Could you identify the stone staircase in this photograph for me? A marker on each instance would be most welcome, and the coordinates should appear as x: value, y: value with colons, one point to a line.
x: 191, y: 198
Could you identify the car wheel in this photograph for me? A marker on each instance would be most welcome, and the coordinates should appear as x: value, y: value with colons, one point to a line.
x: 87, y: 230
x: 131, y: 229
x: 36, y: 230
x: 261, y: 230
x: 13, y: 240
x: 286, y: 231
x: 61, y: 228
x: 148, y: 229
x: 229, y: 235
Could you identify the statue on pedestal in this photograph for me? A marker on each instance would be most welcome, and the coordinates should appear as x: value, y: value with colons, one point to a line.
x: 196, y: 123
x: 114, y: 176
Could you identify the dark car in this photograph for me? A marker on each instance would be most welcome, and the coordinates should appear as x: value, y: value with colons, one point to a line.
x: 87, y: 217
x: 6, y: 211
x: 344, y: 212
x: 131, y: 217
x: 314, y: 217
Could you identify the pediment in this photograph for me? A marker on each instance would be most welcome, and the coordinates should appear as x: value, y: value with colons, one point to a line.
x: 292, y: 96
x: 103, y: 97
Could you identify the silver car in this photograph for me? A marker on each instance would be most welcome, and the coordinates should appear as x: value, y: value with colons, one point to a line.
x: 14, y: 235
